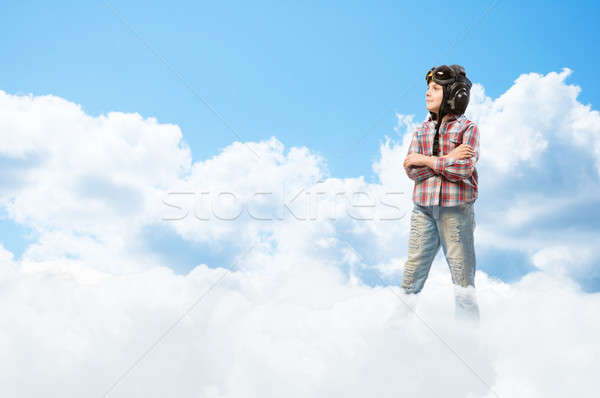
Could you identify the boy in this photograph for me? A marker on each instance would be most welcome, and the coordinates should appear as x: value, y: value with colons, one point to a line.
x: 441, y: 160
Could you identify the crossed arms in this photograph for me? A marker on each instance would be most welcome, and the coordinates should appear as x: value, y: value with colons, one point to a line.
x: 455, y: 166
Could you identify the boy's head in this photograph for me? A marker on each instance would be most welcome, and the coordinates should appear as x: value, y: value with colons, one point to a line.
x: 448, y: 90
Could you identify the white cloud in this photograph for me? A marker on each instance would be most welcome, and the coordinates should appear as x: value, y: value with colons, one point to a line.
x: 298, y: 329
x: 564, y: 259
x: 517, y: 127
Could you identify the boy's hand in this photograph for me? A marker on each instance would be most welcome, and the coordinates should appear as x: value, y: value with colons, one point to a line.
x: 463, y: 151
x: 413, y: 159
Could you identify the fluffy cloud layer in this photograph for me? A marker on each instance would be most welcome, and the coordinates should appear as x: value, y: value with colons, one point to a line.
x: 299, y: 329
x: 306, y: 266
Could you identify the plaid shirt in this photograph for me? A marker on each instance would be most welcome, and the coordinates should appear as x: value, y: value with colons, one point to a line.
x: 453, y: 181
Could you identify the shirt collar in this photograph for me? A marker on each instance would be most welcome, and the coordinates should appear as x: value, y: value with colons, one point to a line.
x: 449, y: 119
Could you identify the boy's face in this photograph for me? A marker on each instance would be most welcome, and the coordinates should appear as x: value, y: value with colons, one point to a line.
x: 433, y: 97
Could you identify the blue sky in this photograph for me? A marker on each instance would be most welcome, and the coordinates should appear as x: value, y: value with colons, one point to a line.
x: 323, y: 75
x: 328, y: 76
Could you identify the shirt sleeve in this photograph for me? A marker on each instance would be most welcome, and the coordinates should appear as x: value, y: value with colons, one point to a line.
x: 417, y: 173
x: 456, y: 170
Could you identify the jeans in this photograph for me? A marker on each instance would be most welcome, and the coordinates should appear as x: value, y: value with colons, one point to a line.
x: 453, y: 228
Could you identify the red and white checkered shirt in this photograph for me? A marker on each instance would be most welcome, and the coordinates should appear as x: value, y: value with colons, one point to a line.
x: 451, y: 182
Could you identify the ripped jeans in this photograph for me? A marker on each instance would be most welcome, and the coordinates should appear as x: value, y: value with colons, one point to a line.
x: 453, y: 228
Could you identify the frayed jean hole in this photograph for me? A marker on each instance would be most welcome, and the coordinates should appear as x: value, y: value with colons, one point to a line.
x: 415, y: 233
x: 454, y: 229
x: 459, y: 275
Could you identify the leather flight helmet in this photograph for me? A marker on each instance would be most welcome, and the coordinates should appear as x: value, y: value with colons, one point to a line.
x: 456, y: 88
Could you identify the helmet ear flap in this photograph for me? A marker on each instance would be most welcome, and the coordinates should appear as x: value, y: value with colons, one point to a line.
x: 458, y: 96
